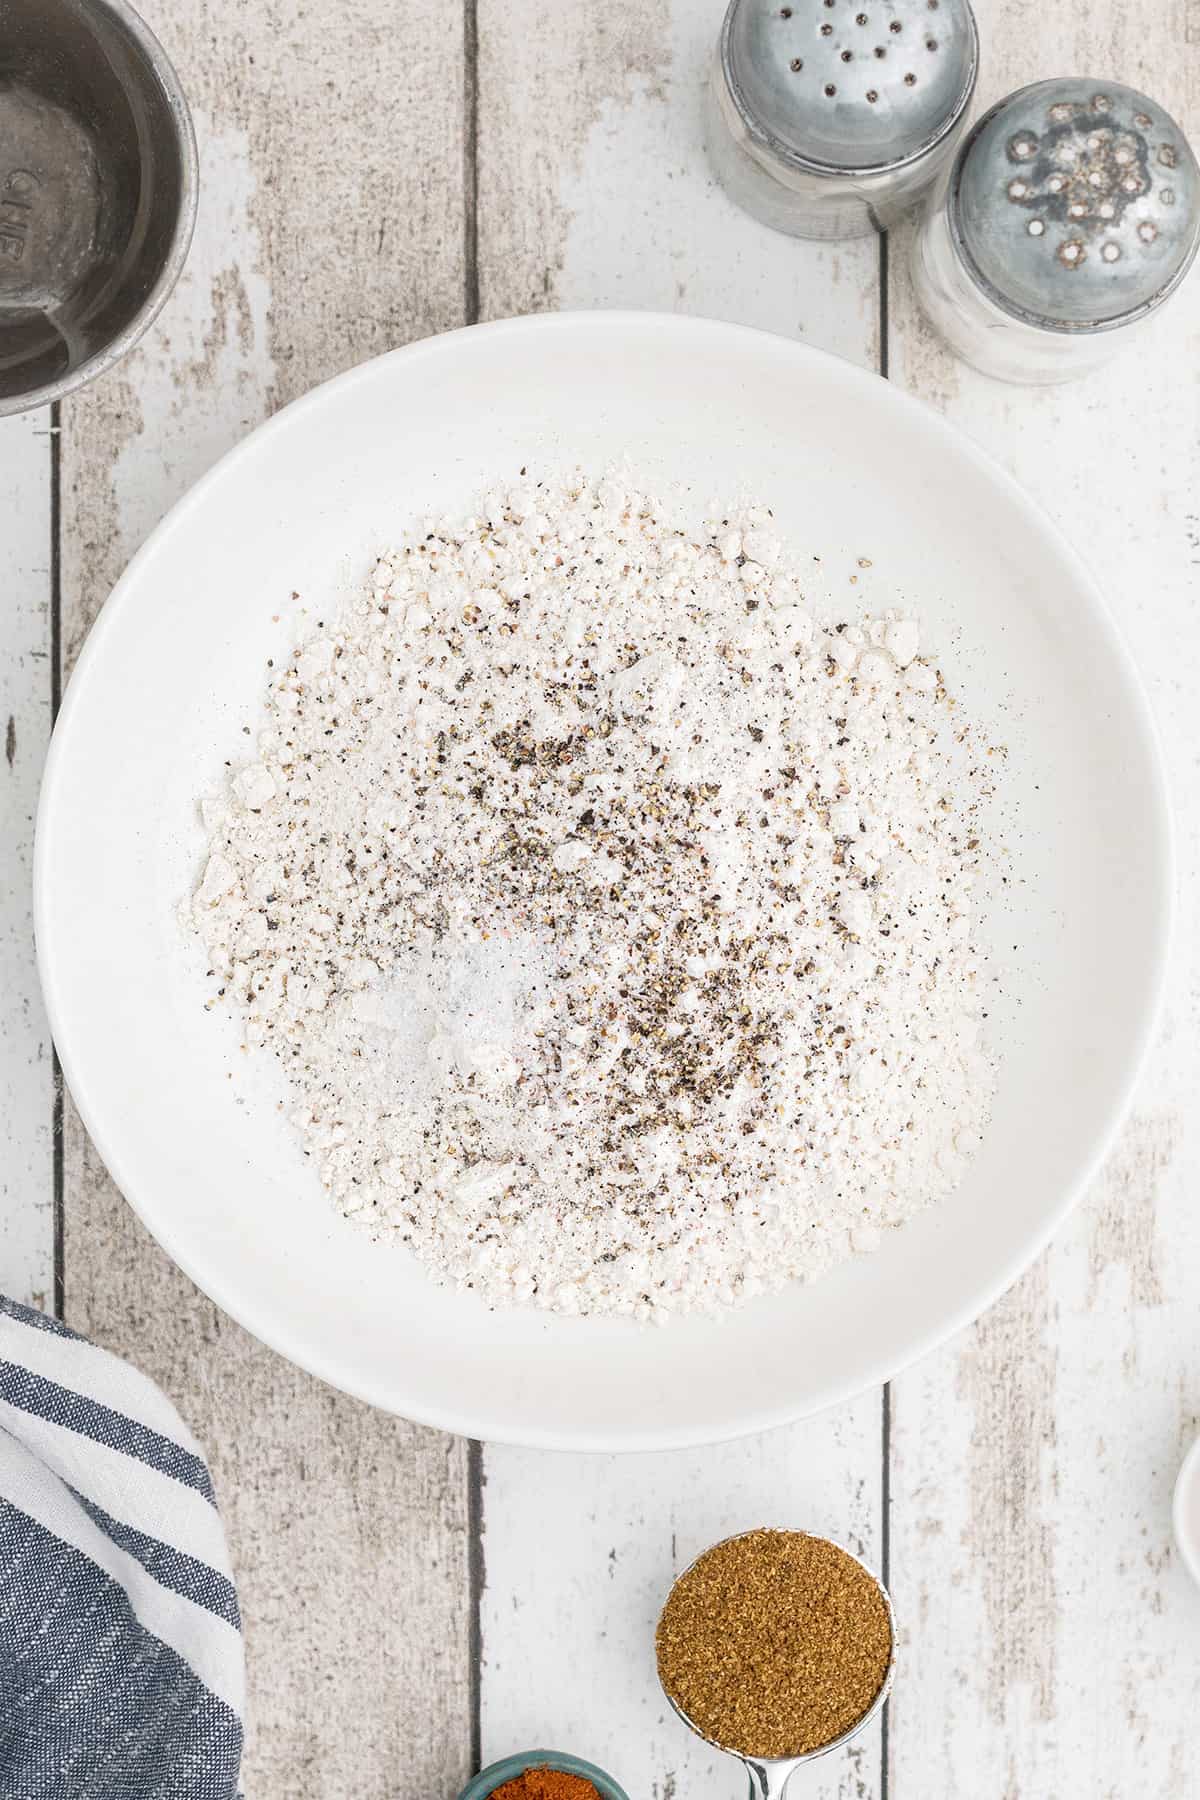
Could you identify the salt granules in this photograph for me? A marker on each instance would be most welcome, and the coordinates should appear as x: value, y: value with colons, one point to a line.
x: 612, y: 915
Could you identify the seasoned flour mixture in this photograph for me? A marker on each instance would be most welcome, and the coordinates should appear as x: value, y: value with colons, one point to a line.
x: 611, y: 917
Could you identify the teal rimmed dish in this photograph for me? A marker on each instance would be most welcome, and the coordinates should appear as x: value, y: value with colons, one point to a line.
x: 488, y: 1780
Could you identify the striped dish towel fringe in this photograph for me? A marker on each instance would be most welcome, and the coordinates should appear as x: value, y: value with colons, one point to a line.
x: 121, y: 1667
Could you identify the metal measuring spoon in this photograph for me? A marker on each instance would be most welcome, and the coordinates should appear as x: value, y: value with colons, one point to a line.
x: 769, y: 1776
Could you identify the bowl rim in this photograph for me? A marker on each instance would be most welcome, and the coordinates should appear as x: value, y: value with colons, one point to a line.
x: 481, y: 1786
x: 1187, y: 1543
x: 1160, y: 883
x: 107, y: 355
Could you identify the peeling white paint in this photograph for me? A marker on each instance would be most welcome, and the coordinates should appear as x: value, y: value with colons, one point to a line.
x: 204, y: 375
x: 650, y: 226
x: 26, y: 1088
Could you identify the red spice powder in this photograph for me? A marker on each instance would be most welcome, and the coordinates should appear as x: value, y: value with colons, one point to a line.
x: 546, y: 1784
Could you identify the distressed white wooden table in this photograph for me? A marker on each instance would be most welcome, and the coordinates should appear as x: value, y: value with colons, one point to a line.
x: 389, y: 168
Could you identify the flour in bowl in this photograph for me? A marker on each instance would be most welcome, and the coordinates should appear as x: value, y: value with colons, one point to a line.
x: 612, y: 917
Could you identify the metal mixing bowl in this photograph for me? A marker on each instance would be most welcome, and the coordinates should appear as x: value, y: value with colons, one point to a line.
x: 97, y: 191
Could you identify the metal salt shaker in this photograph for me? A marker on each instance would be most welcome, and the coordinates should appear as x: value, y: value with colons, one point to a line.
x: 828, y: 118
x: 1071, y: 212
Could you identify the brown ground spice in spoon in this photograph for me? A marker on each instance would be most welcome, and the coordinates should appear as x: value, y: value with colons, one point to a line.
x: 546, y: 1784
x: 774, y: 1643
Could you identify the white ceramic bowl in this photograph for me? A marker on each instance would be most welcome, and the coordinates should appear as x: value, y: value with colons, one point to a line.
x: 1185, y: 1512
x: 176, y: 666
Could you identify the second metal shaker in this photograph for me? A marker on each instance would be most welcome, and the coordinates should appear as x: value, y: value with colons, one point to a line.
x: 828, y: 118
x: 1071, y: 214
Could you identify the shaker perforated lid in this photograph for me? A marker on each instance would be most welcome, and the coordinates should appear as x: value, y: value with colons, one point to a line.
x: 849, y: 86
x: 1076, y: 204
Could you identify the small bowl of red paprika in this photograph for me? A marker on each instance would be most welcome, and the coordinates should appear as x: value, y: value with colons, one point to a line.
x: 543, y: 1775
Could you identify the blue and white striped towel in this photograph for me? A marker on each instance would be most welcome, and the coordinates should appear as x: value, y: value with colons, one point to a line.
x: 121, y: 1667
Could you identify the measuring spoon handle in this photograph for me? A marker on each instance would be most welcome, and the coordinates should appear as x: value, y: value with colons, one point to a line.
x: 769, y: 1780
